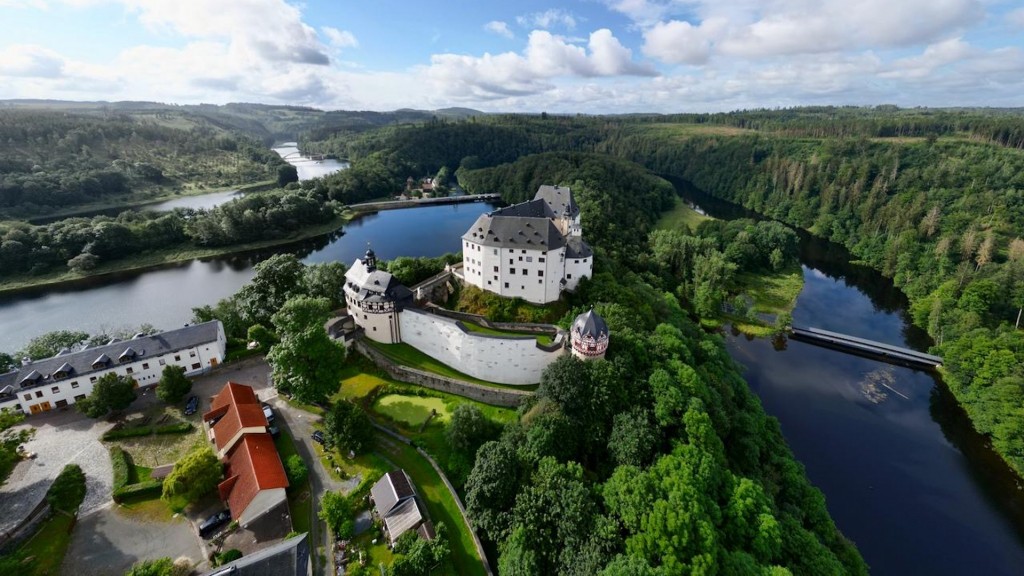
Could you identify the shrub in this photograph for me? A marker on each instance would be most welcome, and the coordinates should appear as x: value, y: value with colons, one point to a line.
x: 194, y: 475
x: 122, y: 464
x: 147, y: 489
x: 296, y: 470
x: 228, y: 556
x: 176, y: 428
x: 68, y: 490
x: 133, y: 432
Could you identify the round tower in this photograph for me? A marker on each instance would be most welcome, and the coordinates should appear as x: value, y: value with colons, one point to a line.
x: 370, y: 260
x: 589, y: 335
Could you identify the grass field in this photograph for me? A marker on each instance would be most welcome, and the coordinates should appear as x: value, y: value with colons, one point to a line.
x: 439, y: 501
x: 412, y: 410
x: 544, y: 339
x: 679, y: 216
x: 773, y: 293
x: 48, y: 547
x: 299, y: 502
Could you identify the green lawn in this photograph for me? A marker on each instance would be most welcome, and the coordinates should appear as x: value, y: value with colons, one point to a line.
x: 377, y: 554
x: 773, y: 293
x: 299, y: 502
x: 679, y: 216
x: 48, y: 546
x: 543, y: 339
x: 412, y: 410
x: 439, y: 501
x: 406, y: 355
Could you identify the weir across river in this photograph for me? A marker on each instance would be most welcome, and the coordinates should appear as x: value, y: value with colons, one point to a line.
x: 867, y: 348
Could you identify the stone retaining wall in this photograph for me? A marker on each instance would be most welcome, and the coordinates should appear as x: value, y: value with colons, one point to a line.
x: 9, y: 541
x: 507, y: 398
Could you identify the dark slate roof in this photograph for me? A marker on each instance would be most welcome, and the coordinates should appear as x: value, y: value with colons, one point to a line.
x: 537, y: 208
x: 81, y: 362
x: 515, y: 232
x: 559, y: 200
x: 376, y: 285
x: 575, y: 247
x: 391, y: 489
x: 287, y: 558
x: 590, y: 324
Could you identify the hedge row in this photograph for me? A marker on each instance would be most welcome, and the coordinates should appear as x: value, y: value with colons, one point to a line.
x: 176, y: 428
x: 148, y: 488
x: 122, y: 463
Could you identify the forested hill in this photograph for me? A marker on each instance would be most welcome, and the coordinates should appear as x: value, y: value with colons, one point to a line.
x: 932, y: 198
x: 57, y: 155
x: 659, y: 461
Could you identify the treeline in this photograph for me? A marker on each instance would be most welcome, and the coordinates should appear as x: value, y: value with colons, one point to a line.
x: 943, y: 219
x: 53, y: 159
x: 81, y: 244
x: 659, y: 460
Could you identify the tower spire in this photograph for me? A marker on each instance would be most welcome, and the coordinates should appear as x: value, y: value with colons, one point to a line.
x: 370, y: 259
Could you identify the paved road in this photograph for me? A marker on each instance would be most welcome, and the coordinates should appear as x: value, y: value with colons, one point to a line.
x: 300, y: 424
x: 107, y: 543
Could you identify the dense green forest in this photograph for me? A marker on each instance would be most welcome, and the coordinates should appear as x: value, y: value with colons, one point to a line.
x: 931, y: 198
x: 659, y: 460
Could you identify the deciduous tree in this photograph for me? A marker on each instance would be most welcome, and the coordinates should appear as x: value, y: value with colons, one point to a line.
x: 195, y: 475
x: 173, y: 385
x: 111, y: 392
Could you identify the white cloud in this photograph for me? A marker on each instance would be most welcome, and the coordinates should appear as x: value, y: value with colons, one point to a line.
x: 546, y: 57
x: 500, y: 28
x: 1016, y: 18
x: 547, y: 19
x: 748, y: 29
x: 340, y: 38
x: 29, y: 60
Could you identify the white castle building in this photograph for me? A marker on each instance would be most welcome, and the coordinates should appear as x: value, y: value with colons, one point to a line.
x: 374, y: 299
x: 532, y: 250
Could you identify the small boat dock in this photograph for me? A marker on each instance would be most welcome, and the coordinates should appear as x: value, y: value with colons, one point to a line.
x: 866, y: 348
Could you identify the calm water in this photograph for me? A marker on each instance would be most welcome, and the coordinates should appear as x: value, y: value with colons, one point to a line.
x: 165, y: 297
x: 904, y: 474
x: 308, y: 168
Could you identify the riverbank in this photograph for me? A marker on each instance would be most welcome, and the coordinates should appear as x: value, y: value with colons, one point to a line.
x: 121, y: 204
x: 173, y: 255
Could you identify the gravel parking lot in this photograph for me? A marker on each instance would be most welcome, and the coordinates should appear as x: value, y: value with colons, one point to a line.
x: 61, y: 438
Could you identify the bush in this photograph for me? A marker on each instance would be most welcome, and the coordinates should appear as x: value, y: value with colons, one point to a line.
x: 296, y: 470
x: 176, y: 428
x: 133, y: 432
x: 122, y: 464
x: 228, y: 556
x: 142, y: 490
x: 195, y: 475
x: 68, y: 490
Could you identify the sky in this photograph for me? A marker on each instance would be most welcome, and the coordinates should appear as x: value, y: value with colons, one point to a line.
x: 558, y: 56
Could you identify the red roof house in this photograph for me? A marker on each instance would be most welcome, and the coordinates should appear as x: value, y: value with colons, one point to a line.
x: 234, y: 412
x: 255, y: 480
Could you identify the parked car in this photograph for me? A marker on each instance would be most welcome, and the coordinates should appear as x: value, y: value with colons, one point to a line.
x: 318, y: 436
x: 209, y: 526
x: 192, y: 405
x: 268, y: 412
x: 274, y: 431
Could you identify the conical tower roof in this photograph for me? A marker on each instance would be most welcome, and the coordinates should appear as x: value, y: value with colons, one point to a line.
x: 590, y: 324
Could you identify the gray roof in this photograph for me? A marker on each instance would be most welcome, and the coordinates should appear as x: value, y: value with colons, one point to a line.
x: 406, y: 516
x: 575, y: 247
x: 536, y: 208
x: 515, y: 232
x: 287, y: 558
x: 376, y: 285
x: 559, y: 200
x: 590, y: 324
x: 390, y: 490
x: 81, y: 362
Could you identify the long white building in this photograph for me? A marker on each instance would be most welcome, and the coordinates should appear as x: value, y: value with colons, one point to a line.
x: 42, y: 385
x: 532, y: 250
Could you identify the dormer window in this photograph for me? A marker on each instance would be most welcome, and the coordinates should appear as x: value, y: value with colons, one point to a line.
x: 63, y: 372
x: 127, y: 356
x: 100, y: 363
x: 33, y: 378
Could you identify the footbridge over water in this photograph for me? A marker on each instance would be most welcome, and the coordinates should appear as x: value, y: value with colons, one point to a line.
x: 866, y: 348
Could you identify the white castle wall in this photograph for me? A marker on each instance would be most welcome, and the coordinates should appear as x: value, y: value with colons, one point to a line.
x: 495, y: 359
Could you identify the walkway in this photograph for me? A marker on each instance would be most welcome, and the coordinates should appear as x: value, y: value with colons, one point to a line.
x: 863, y: 347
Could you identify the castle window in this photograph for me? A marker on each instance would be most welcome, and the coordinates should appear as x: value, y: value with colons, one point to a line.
x: 145, y: 366
x: 128, y: 370
x: 162, y: 362
x: 28, y: 396
x: 526, y: 272
x: 511, y: 261
x: 569, y: 276
x: 513, y: 271
x: 541, y: 259
x: 39, y: 393
x: 74, y: 384
x: 495, y: 268
x: 540, y: 272
x: 55, y: 389
x: 80, y: 397
x: 506, y: 284
x: 529, y: 258
x: 495, y: 251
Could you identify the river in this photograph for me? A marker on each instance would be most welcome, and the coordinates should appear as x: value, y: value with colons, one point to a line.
x: 904, y: 474
x: 164, y: 297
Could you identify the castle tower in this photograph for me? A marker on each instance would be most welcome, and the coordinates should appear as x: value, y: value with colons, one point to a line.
x: 370, y: 260
x: 589, y: 335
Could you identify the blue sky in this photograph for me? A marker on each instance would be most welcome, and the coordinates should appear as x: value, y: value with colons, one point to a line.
x: 590, y: 56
